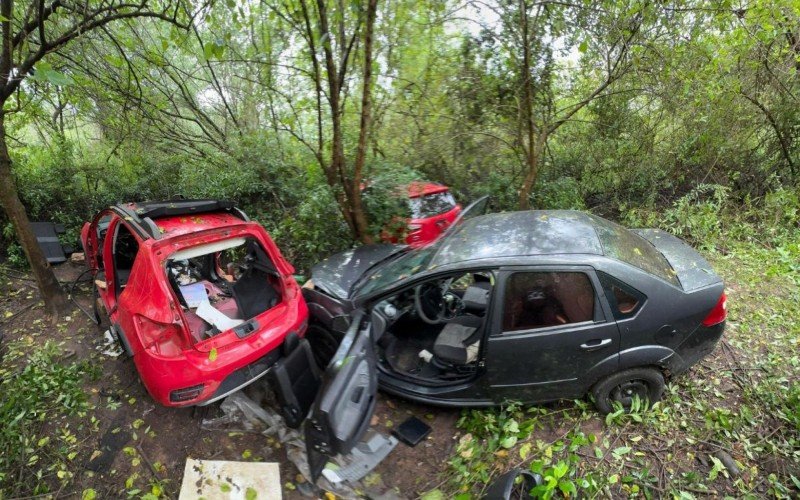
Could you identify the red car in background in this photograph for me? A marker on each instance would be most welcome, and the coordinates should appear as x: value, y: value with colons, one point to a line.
x: 197, y: 294
x: 433, y: 208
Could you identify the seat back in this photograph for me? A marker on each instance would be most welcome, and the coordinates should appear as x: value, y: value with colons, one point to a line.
x: 476, y: 298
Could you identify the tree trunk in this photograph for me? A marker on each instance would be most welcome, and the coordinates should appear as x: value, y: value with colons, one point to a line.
x: 55, y: 300
x: 533, y: 158
x: 359, y: 216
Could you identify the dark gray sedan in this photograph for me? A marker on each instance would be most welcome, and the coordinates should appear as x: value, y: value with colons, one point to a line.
x: 528, y: 306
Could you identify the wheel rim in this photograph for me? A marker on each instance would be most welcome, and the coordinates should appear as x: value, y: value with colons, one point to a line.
x: 625, y: 392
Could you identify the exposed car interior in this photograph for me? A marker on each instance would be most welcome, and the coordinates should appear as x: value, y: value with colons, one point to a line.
x: 221, y: 285
x: 125, y: 250
x: 433, y: 331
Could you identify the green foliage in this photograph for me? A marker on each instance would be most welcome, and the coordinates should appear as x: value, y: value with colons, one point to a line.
x: 36, y: 389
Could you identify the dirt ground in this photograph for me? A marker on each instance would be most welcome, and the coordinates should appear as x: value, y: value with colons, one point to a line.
x: 164, y: 437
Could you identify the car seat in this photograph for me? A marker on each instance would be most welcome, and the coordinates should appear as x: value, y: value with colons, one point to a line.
x: 458, y: 341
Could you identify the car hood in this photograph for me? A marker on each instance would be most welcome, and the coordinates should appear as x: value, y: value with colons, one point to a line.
x: 338, y: 273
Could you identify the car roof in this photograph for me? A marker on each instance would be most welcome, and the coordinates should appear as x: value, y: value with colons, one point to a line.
x: 158, y: 219
x: 520, y: 234
x: 417, y: 189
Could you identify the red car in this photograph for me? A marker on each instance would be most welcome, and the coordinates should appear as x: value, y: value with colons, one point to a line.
x: 195, y: 292
x: 432, y: 208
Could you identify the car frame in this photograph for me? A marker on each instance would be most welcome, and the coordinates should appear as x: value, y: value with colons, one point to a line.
x: 147, y: 310
x: 640, y: 329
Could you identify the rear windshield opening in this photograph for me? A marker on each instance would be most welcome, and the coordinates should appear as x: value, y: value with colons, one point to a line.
x: 431, y: 204
x: 223, y: 284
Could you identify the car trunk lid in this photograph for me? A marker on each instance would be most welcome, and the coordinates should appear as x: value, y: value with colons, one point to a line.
x: 691, y: 268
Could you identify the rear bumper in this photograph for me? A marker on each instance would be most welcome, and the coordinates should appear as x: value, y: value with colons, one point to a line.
x: 698, y: 345
x: 230, y: 369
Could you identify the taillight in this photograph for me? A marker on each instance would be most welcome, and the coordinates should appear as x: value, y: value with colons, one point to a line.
x: 186, y: 394
x: 719, y: 313
x: 164, y: 339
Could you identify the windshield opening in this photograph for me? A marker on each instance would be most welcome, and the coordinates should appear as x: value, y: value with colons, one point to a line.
x: 407, y: 265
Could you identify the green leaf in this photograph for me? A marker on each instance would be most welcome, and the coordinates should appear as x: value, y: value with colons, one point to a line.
x: 508, y: 442
x: 583, y: 47
x: 4, y: 19
x: 88, y: 494
x: 250, y: 494
x: 524, y: 450
x: 432, y: 495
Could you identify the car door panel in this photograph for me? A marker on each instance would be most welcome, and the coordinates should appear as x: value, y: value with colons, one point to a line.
x: 337, y: 405
x: 547, y: 363
x: 343, y: 409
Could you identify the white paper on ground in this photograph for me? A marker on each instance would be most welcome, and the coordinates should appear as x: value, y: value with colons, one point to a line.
x: 219, y: 479
x: 211, y: 315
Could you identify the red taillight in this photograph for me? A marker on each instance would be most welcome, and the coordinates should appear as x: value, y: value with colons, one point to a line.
x: 719, y: 313
x: 162, y: 339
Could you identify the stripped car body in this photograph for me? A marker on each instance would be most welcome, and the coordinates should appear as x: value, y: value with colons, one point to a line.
x: 150, y: 259
x: 528, y: 306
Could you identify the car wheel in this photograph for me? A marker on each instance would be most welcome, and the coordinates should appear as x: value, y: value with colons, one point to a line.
x: 324, y: 344
x: 624, y: 386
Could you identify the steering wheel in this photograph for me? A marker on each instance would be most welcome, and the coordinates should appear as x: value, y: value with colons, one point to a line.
x: 435, y: 303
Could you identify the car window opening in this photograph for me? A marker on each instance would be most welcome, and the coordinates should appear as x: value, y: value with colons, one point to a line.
x: 431, y: 205
x: 545, y: 299
x: 624, y: 300
x: 124, y: 254
x: 223, y: 284
x: 434, y: 330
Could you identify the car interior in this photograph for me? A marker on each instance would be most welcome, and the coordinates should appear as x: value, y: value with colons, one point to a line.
x: 433, y: 331
x: 125, y: 249
x: 221, y: 285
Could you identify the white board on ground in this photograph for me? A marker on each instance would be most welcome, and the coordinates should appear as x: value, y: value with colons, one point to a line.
x: 224, y: 480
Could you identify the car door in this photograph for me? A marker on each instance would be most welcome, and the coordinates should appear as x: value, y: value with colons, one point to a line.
x: 553, y: 329
x: 343, y: 402
x: 475, y: 209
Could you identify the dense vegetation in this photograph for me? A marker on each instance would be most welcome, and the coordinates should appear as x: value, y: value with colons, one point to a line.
x: 616, y: 107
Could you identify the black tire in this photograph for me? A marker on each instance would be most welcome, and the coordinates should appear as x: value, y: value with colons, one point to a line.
x: 324, y: 344
x: 621, y: 387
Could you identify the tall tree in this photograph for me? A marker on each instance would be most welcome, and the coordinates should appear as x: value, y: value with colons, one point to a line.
x: 30, y: 32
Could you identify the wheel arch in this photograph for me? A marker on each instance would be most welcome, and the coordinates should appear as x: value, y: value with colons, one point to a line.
x: 659, y: 357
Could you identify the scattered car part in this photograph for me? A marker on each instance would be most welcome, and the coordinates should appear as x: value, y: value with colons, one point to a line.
x: 362, y: 459
x: 47, y: 238
x: 412, y: 431
x: 515, y: 484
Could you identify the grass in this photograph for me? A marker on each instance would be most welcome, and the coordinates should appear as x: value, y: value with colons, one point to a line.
x: 727, y: 428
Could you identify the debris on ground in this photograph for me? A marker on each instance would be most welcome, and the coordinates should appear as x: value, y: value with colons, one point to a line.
x: 110, y: 347
x: 341, y: 477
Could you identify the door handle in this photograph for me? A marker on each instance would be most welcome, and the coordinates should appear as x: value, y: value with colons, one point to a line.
x: 595, y: 344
